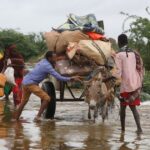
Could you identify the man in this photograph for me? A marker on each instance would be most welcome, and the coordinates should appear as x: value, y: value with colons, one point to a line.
x: 33, y: 78
x: 131, y: 80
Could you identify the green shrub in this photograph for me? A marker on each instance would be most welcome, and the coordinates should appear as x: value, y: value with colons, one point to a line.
x: 146, y: 84
x: 145, y: 96
x: 30, y: 45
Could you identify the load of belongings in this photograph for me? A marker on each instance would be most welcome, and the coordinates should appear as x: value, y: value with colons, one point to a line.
x: 82, y: 47
x: 83, y: 43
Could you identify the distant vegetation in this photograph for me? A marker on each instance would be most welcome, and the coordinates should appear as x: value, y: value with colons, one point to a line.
x: 146, y: 84
x: 30, y: 45
x: 139, y: 35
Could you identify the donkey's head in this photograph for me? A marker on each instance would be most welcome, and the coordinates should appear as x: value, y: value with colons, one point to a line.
x: 95, y: 91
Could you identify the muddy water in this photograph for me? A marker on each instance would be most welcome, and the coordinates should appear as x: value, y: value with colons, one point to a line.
x: 71, y: 130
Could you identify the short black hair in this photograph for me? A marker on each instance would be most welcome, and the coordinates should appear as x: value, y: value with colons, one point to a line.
x: 122, y: 40
x: 49, y: 54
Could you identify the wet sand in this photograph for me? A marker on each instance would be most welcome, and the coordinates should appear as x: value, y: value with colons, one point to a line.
x: 71, y: 130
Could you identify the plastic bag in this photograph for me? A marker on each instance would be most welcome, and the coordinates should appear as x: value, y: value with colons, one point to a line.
x: 9, y: 73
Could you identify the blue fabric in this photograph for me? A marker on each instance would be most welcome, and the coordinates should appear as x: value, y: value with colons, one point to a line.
x: 40, y: 72
x: 83, y: 23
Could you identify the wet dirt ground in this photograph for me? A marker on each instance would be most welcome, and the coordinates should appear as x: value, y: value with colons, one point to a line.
x: 71, y: 130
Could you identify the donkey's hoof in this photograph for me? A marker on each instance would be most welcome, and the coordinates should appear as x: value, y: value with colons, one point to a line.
x: 89, y: 116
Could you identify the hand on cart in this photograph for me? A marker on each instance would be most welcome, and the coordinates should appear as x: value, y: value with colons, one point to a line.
x: 76, y: 78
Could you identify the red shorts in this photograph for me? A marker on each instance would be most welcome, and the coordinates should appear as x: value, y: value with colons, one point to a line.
x: 137, y: 101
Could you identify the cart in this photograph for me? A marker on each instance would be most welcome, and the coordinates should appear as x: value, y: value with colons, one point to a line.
x: 49, y: 87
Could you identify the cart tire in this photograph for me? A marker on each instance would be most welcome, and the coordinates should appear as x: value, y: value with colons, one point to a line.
x: 49, y: 88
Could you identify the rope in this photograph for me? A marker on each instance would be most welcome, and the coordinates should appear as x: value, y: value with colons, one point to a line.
x: 100, y: 51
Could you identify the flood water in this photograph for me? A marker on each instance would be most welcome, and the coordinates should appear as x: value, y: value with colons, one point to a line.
x: 71, y: 130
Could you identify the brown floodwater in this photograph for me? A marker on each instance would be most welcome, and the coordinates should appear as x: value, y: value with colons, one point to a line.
x: 71, y: 130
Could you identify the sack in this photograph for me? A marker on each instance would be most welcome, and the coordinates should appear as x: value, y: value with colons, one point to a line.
x: 2, y: 80
x: 51, y: 39
x: 69, y: 36
x: 9, y: 73
x: 97, y: 50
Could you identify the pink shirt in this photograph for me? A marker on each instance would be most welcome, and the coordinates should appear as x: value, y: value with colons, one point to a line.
x: 126, y: 70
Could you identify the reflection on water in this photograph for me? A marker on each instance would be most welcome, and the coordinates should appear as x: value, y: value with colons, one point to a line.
x: 71, y: 130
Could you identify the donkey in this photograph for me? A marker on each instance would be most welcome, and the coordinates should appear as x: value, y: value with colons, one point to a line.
x: 99, y: 94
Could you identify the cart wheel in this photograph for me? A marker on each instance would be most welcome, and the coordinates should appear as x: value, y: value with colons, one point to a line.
x: 49, y: 88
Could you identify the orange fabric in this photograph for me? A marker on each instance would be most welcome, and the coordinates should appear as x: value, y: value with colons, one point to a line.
x: 1, y: 92
x: 95, y: 36
x: 2, y: 80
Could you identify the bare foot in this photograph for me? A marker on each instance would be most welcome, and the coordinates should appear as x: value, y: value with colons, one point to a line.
x: 37, y: 119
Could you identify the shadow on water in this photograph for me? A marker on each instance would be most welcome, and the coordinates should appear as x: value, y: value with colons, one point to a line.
x: 70, y: 130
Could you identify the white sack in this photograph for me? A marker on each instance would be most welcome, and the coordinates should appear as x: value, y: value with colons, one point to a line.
x: 9, y: 73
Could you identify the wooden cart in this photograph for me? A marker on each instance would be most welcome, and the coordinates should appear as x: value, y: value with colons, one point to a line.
x: 49, y: 87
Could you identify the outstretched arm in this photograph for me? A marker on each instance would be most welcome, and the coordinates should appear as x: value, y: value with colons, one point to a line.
x: 55, y: 74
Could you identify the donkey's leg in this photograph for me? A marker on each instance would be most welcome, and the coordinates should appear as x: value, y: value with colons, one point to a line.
x: 104, y: 110
x: 89, y: 113
x: 95, y: 112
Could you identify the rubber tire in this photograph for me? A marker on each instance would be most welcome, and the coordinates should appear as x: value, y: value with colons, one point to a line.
x: 49, y: 88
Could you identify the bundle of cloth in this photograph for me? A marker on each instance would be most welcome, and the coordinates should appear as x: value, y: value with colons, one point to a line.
x: 83, y: 43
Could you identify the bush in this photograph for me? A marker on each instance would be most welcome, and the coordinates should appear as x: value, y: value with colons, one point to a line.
x: 31, y: 45
x: 145, y: 96
x: 146, y: 84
